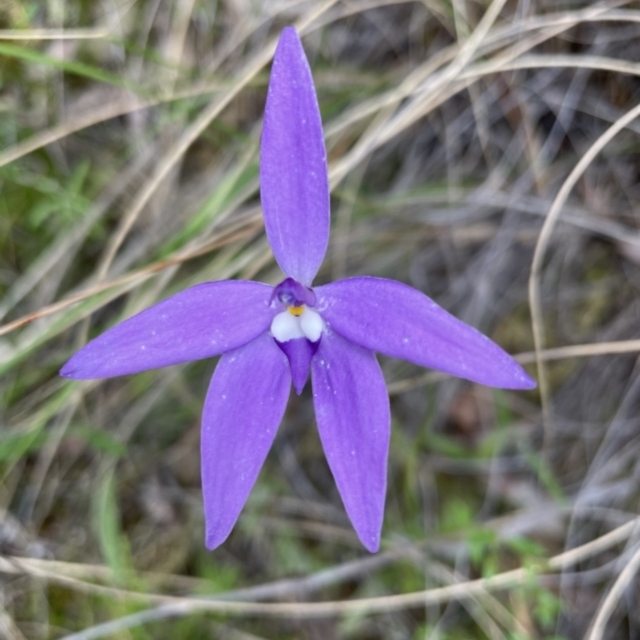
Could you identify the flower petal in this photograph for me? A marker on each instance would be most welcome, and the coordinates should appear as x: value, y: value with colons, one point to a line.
x: 200, y: 322
x: 294, y: 186
x: 299, y: 353
x: 399, y: 321
x: 352, y: 410
x: 244, y: 406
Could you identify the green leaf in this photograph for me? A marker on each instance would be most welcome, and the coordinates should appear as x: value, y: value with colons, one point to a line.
x: 457, y: 516
x: 445, y: 446
x: 99, y: 440
x: 545, y: 475
x: 77, y: 68
x: 113, y: 544
x: 480, y: 541
x: 525, y: 547
x: 14, y: 446
x: 547, y: 607
x: 238, y: 185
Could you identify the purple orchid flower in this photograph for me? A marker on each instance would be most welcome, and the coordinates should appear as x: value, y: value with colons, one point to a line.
x: 271, y: 337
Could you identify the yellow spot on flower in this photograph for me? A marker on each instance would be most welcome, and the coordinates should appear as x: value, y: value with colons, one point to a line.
x: 295, y: 311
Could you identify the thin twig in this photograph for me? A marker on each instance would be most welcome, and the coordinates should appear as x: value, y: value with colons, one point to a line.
x: 250, y: 227
x: 613, y: 597
x: 541, y: 248
x: 528, y: 357
x: 53, y: 34
x: 302, y: 610
x: 193, y: 132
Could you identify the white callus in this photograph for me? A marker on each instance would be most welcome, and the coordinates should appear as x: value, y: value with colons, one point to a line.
x: 311, y: 324
x: 287, y: 326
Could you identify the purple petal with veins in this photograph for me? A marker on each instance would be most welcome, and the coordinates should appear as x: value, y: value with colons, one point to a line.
x: 294, y: 186
x: 200, y: 322
x: 244, y: 406
x: 399, y: 321
x: 352, y: 411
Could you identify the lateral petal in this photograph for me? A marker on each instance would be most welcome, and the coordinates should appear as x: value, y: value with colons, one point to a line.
x: 200, y: 322
x: 399, y: 321
x: 352, y: 411
x: 294, y: 186
x: 244, y: 406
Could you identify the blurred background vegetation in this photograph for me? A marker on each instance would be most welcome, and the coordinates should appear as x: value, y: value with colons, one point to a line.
x: 129, y: 170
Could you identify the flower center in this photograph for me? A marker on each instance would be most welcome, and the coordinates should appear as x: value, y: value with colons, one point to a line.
x: 298, y: 318
x: 297, y: 322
